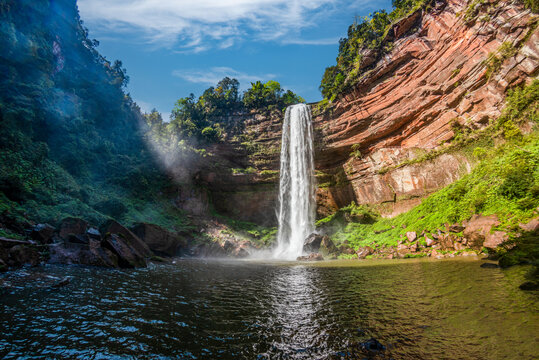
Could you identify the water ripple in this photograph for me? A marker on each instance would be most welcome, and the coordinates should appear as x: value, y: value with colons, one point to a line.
x: 254, y: 310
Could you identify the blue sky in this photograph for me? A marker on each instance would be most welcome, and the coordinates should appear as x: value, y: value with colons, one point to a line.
x: 172, y: 48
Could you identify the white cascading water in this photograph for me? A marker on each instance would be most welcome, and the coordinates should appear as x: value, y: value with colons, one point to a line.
x: 297, y: 204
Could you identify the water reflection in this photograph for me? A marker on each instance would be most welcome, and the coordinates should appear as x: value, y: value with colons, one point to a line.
x: 249, y: 310
x: 294, y: 312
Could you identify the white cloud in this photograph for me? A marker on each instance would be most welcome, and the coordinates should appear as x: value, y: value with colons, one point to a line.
x: 201, y: 24
x: 213, y: 75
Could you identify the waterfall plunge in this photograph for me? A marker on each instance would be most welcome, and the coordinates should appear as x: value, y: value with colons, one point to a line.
x: 297, y: 205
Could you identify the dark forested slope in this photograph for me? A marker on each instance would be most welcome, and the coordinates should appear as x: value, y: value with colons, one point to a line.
x: 69, y: 134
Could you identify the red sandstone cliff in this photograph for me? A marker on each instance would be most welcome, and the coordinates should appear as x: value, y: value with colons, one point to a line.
x: 397, y: 111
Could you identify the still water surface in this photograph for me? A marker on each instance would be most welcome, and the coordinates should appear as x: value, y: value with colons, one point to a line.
x: 196, y: 309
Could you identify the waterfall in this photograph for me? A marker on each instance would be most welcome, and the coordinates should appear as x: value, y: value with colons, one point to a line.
x: 297, y: 205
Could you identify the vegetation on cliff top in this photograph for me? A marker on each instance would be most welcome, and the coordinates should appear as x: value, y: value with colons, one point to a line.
x: 206, y: 120
x: 366, y: 38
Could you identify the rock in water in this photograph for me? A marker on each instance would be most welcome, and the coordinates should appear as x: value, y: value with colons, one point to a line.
x: 161, y: 241
x: 113, y: 227
x: 311, y: 257
x: 128, y: 257
x: 312, y: 243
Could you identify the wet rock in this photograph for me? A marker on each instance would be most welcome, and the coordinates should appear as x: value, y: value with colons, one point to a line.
x: 411, y: 236
x: 160, y: 240
x: 3, y: 266
x: 489, y: 265
x: 363, y: 252
x: 210, y: 249
x: 24, y: 255
x: 529, y: 286
x: 93, y: 233
x: 43, y: 233
x: 72, y: 226
x: 311, y: 257
x: 65, y: 281
x: 312, y: 243
x: 83, y: 254
x: 132, y: 240
x: 372, y: 345
x: 327, y: 246
x: 229, y: 246
x: 128, y: 257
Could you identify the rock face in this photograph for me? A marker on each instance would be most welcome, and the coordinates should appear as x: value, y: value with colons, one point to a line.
x: 161, y: 241
x: 407, y: 105
x: 312, y: 243
x: 132, y: 240
x: 128, y: 257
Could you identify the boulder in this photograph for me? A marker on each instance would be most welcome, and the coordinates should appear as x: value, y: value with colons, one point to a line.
x: 209, y: 249
x: 132, y: 240
x: 411, y: 236
x: 128, y: 257
x: 477, y: 228
x: 346, y: 249
x: 72, y: 226
x: 93, y: 233
x: 311, y: 257
x: 43, y: 233
x: 83, y: 254
x: 327, y: 246
x: 402, y: 250
x: 531, y: 226
x: 363, y: 252
x: 495, y: 239
x: 160, y: 240
x: 24, y: 255
x: 447, y: 242
x: 312, y: 243
x: 78, y: 239
x: 456, y: 228
x: 429, y: 241
x: 413, y: 247
x: 372, y: 345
